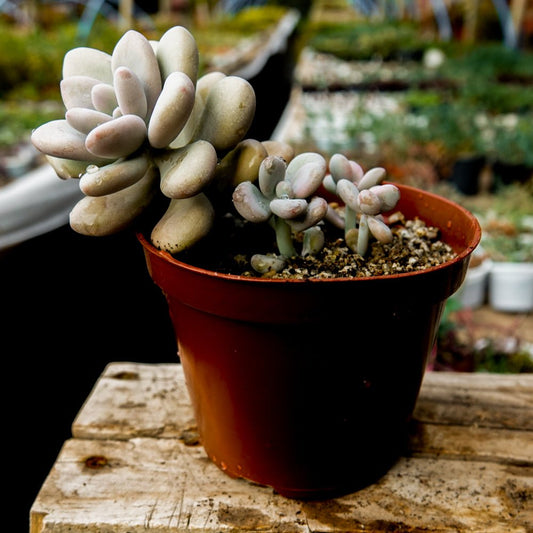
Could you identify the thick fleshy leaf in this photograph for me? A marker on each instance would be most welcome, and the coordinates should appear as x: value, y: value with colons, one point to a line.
x: 228, y: 114
x: 250, y: 202
x: 271, y: 172
x: 241, y: 164
x: 135, y: 52
x: 207, y: 82
x: 67, y: 168
x: 90, y: 62
x: 117, y: 138
x: 130, y: 92
x: 351, y: 238
x: 284, y: 190
x: 373, y: 177
x: 177, y: 52
x: 105, y: 215
x: 348, y: 193
x: 369, y: 203
x: 288, y: 207
x: 380, y: 230
x: 329, y: 184
x: 186, y: 221
x: 280, y: 149
x: 172, y: 110
x: 57, y: 138
x: 389, y: 195
x: 316, y: 211
x: 186, y: 171
x: 108, y: 179
x: 340, y: 168
x: 203, y: 86
x: 308, y: 178
x: 104, y: 98
x: 358, y: 172
x: 84, y: 120
x: 303, y: 159
x: 313, y: 241
x: 267, y: 263
x: 76, y: 91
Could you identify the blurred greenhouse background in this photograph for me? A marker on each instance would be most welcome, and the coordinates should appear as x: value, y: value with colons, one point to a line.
x: 439, y: 92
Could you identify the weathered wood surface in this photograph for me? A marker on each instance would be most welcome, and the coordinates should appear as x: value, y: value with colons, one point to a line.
x: 129, y: 467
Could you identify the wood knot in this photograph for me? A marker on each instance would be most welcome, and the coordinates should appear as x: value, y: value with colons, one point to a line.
x: 126, y: 375
x: 96, y: 461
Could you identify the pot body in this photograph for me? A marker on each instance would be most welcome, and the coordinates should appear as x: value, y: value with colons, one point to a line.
x: 308, y: 386
x: 466, y: 172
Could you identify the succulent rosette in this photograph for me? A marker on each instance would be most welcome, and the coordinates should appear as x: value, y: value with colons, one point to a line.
x: 366, y: 198
x: 138, y: 122
x: 285, y: 196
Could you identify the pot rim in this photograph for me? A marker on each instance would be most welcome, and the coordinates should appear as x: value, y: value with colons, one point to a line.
x: 461, y: 256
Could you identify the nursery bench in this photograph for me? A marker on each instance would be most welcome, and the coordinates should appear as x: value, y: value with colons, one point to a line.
x: 133, y: 464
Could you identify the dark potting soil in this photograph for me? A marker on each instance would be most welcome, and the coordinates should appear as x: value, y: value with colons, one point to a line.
x: 230, y: 246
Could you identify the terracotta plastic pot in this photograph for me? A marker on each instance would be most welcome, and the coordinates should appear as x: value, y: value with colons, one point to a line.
x: 308, y: 386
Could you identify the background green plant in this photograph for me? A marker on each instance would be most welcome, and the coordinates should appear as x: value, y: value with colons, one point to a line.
x: 366, y: 40
x: 31, y: 65
x: 30, y: 68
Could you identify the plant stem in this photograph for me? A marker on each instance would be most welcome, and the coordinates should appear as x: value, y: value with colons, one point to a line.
x: 362, y: 239
x: 284, y: 238
x: 349, y: 219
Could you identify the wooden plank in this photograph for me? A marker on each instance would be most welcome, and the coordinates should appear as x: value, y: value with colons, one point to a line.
x: 458, y: 415
x: 484, y: 400
x: 480, y: 381
x: 127, y: 470
x: 472, y: 443
x: 132, y: 399
x: 162, y: 485
x: 136, y: 400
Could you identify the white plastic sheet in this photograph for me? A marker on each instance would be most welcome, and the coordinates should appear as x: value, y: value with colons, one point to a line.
x: 35, y: 204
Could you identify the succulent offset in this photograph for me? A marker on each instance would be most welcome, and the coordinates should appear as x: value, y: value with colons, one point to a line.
x: 139, y: 124
x: 286, y: 197
x: 363, y: 195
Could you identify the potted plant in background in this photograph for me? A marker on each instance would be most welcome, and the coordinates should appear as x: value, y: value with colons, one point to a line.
x: 302, y: 383
x: 506, y: 140
x: 508, y: 243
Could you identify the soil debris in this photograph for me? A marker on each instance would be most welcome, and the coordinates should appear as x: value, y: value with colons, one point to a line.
x: 415, y: 246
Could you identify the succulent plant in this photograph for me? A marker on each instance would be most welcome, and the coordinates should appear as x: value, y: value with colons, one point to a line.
x: 139, y: 121
x: 286, y: 197
x: 365, y: 196
x: 140, y: 124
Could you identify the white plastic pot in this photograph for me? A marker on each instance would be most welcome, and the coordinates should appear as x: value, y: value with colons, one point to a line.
x: 511, y: 287
x: 473, y: 291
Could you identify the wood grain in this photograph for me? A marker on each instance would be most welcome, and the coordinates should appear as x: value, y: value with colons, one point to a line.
x: 128, y: 467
